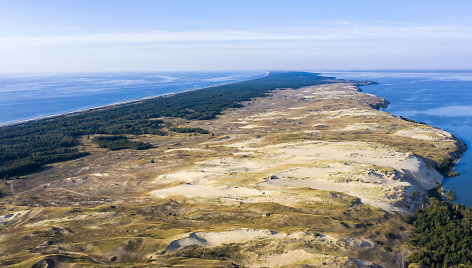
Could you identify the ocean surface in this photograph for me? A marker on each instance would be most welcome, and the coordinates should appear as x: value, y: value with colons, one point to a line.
x: 440, y: 99
x: 30, y: 96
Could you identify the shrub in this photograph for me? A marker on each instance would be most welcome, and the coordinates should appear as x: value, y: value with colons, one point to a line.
x: 115, y: 143
x: 450, y: 196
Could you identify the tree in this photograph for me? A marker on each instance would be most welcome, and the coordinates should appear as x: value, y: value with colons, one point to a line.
x: 450, y: 196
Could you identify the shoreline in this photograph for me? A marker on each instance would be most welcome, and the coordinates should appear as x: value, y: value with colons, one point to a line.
x: 449, y: 169
x: 117, y: 104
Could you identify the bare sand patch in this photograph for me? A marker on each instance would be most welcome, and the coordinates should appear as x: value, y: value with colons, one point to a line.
x: 359, y: 112
x: 186, y: 149
x: 250, y: 126
x: 360, y: 126
x: 93, y: 215
x: 429, y: 134
x: 4, y: 219
x: 286, y: 258
x: 365, y: 170
x: 211, y: 239
x: 191, y: 190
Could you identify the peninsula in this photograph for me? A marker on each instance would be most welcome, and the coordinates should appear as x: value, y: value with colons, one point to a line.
x: 290, y: 169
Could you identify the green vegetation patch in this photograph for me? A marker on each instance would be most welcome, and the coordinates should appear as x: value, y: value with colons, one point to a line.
x: 120, y: 142
x: 189, y: 130
x: 223, y: 252
x: 444, y: 232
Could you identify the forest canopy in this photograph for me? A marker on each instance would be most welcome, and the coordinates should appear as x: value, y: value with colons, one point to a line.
x: 444, y: 232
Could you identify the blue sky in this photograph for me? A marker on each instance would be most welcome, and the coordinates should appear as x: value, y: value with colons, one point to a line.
x: 183, y: 35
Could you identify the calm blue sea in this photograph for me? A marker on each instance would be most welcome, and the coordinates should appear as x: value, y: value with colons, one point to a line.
x: 441, y: 99
x: 29, y: 96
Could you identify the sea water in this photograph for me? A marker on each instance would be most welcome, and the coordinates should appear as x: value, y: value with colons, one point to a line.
x: 30, y: 96
x: 438, y: 98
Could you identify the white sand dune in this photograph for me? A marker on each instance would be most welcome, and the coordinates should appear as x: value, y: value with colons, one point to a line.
x: 376, y: 174
x: 211, y: 239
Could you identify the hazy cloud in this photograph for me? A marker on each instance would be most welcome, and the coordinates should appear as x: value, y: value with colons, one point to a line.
x: 323, y: 32
x: 330, y: 45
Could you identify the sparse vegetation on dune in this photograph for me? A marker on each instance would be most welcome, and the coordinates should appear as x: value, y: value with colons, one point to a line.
x: 129, y: 233
x: 28, y: 146
x: 313, y: 176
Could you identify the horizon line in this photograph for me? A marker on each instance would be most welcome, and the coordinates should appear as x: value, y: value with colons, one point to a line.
x: 249, y: 70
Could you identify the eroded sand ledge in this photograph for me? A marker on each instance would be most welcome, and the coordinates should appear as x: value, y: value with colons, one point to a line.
x: 298, y: 177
